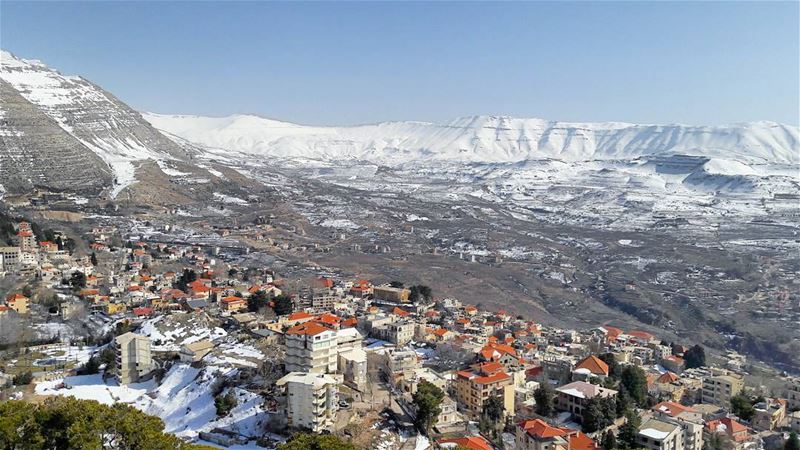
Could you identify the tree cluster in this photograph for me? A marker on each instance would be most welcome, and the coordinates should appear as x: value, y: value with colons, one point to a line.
x: 544, y: 397
x: 283, y: 305
x: 308, y: 441
x: 695, y: 357
x: 65, y: 422
x: 598, y: 414
x: 224, y: 403
x: 420, y: 294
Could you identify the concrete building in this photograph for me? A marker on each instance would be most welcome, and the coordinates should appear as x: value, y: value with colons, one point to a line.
x: 353, y: 366
x: 399, y: 366
x: 475, y: 386
x: 793, y: 394
x: 310, y: 400
x: 133, y: 357
x: 311, y: 347
x: 574, y: 396
x: 720, y: 388
x: 391, y: 294
x: 398, y: 333
x: 769, y: 414
x: 11, y: 257
x: 689, y: 419
x: 195, y: 351
x: 18, y: 303
x: 659, y: 434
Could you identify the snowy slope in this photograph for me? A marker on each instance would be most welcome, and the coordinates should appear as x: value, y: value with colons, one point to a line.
x: 95, y: 118
x: 484, y: 139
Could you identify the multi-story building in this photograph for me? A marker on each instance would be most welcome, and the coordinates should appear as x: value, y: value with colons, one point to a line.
x: 400, y: 366
x: 539, y: 435
x: 482, y: 381
x: 574, y: 396
x: 769, y: 414
x: 720, y: 388
x: 27, y: 241
x: 353, y: 366
x: 11, y: 257
x: 310, y: 347
x: 689, y: 419
x: 398, y: 333
x: 660, y: 434
x: 793, y: 394
x: 736, y: 433
x: 310, y: 400
x: 133, y: 357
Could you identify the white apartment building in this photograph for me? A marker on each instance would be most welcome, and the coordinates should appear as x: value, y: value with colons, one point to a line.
x: 311, y: 347
x: 311, y: 400
x: 657, y: 434
x: 133, y: 357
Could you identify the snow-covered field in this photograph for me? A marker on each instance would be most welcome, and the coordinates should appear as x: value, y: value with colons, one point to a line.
x: 183, y: 400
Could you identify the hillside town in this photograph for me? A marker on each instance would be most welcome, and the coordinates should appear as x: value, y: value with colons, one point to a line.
x: 243, y: 356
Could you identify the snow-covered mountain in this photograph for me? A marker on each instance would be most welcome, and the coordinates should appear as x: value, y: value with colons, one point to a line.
x: 485, y: 139
x: 66, y: 132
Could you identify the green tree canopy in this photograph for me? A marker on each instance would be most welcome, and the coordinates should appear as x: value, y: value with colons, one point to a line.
x: 629, y: 430
x: 68, y: 423
x: 544, y: 395
x: 695, y: 357
x: 793, y: 443
x: 307, y: 441
x: 635, y: 382
x: 427, y: 403
x: 283, y: 305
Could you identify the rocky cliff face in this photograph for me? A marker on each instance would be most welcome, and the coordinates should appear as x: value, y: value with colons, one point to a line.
x: 36, y: 152
x: 66, y: 133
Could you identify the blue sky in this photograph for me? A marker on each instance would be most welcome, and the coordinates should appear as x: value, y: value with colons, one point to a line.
x: 346, y: 63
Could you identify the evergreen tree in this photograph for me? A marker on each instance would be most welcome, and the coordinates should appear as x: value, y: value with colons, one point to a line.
x: 742, y: 406
x: 592, y: 417
x: 628, y: 431
x: 623, y: 402
x: 609, y: 441
x: 308, y: 441
x: 427, y: 404
x: 493, y: 409
x: 93, y: 258
x: 544, y: 400
x: 614, y: 369
x: 635, y: 382
x: 283, y: 305
x: 695, y: 357
x: 257, y: 301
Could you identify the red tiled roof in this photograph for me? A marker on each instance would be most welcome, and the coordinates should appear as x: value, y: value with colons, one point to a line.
x: 668, y: 377
x: 672, y: 409
x: 540, y: 429
x: 472, y: 443
x: 580, y: 441
x: 300, y: 315
x: 232, y: 299
x: 594, y: 365
x: 307, y: 329
x: 400, y: 312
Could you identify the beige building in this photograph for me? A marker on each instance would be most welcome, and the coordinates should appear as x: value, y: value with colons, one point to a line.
x: 133, y: 357
x: 658, y: 434
x: 793, y: 394
x: 475, y: 386
x: 310, y: 400
x: 311, y: 347
x: 353, y: 366
x: 720, y: 388
x: 689, y: 419
x: 391, y: 294
x: 11, y: 257
x: 195, y: 351
x: 18, y: 303
x: 398, y: 333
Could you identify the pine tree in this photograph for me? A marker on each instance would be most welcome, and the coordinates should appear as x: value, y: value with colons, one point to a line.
x: 628, y: 431
x: 695, y: 357
x: 427, y: 404
x: 609, y: 441
x: 544, y: 400
x: 94, y: 259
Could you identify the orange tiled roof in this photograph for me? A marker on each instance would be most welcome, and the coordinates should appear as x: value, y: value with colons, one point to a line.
x: 231, y: 299
x: 15, y: 296
x: 594, y: 365
x: 307, y: 329
x: 672, y: 409
x: 540, y: 429
x: 300, y: 315
x: 580, y: 441
x: 668, y: 377
x: 472, y: 443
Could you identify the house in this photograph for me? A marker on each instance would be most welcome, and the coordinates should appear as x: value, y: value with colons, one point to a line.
x: 471, y: 443
x: 311, y: 347
x: 769, y: 414
x: 730, y: 428
x: 233, y: 304
x: 195, y: 351
x: 573, y: 397
x: 657, y: 434
x: 689, y: 419
x: 133, y: 357
x: 476, y: 385
x: 588, y: 367
x: 18, y: 302
x: 353, y: 366
x: 311, y: 400
x: 539, y: 435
